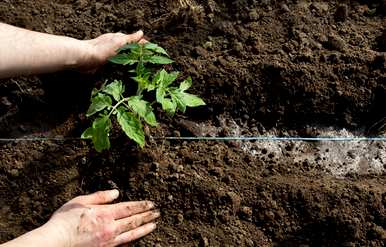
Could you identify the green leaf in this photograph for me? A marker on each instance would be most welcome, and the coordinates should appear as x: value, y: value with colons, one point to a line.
x: 99, y: 103
x: 176, y: 97
x: 142, y: 80
x: 125, y: 59
x: 185, y: 85
x: 156, y: 48
x: 129, y: 47
x: 164, y: 79
x: 150, y: 118
x: 191, y: 100
x: 169, y: 106
x: 160, y: 94
x: 131, y: 126
x: 183, y: 99
x: 159, y: 77
x: 95, y: 91
x: 158, y: 60
x: 143, y: 109
x: 88, y: 133
x: 115, y: 89
x: 140, y: 69
x: 170, y: 78
x: 99, y: 133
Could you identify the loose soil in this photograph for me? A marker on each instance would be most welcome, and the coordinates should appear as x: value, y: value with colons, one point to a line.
x: 281, y: 67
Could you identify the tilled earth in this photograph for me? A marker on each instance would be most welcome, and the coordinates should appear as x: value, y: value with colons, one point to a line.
x: 291, y: 68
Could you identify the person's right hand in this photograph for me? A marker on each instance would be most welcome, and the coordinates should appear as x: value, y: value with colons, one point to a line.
x: 88, y: 221
x: 100, y: 49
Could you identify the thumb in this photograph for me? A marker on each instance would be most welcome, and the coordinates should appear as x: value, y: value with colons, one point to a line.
x: 135, y: 37
x: 100, y: 197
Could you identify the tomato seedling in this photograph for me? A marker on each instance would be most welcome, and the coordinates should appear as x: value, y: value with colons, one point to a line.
x: 130, y: 109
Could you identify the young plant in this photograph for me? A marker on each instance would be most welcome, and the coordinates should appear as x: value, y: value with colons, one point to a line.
x: 131, y: 110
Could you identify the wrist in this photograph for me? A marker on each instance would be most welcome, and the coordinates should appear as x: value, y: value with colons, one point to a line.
x: 46, y: 235
x: 79, y: 54
x: 55, y: 234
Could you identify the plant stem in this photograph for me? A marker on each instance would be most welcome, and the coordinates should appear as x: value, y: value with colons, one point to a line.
x: 139, y: 69
x: 117, y: 105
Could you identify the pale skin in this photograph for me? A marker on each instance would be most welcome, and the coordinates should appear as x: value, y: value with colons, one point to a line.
x: 91, y: 220
x: 25, y: 52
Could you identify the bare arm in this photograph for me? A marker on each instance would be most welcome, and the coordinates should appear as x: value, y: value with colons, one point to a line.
x: 89, y: 221
x: 25, y: 52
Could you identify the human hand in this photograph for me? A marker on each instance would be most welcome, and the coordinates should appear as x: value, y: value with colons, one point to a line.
x: 88, y: 221
x: 100, y: 49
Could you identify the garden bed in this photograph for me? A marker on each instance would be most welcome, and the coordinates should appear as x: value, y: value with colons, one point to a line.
x: 288, y: 68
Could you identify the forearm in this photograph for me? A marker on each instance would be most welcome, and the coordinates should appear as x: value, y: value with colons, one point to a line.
x: 43, y: 236
x: 24, y: 52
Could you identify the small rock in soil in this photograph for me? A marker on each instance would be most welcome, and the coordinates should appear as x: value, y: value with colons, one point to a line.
x: 176, y: 133
x: 112, y: 184
x: 155, y: 167
x: 180, y: 168
x: 226, y: 179
x: 246, y: 213
x: 320, y: 7
x: 249, y: 242
x: 193, y: 127
x: 253, y: 15
x: 204, y: 242
x: 5, y: 101
x: 235, y: 200
x: 201, y: 51
x: 341, y: 13
x: 208, y: 45
x: 82, y: 3
x: 174, y: 177
x: 98, y: 6
x: 83, y: 161
x: 14, y: 172
x: 224, y: 216
x: 180, y: 218
x: 238, y: 46
x: 173, y: 167
x: 285, y: 8
x: 336, y: 43
x: 216, y: 171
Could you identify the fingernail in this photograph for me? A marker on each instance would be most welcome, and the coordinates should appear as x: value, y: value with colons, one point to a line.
x: 114, y: 193
x: 140, y: 32
x: 157, y: 213
x: 154, y: 226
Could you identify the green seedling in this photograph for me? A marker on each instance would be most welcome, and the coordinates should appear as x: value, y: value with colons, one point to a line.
x: 130, y: 109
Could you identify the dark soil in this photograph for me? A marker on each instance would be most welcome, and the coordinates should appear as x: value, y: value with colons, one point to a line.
x: 283, y: 65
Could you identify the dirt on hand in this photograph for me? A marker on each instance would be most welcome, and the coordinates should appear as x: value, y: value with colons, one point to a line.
x: 281, y: 67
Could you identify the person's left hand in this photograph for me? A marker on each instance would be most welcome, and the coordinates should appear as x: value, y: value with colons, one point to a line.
x: 100, y: 49
x: 87, y: 221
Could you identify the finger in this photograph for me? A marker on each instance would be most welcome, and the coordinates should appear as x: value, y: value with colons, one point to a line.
x: 120, y: 35
x: 135, y: 221
x: 97, y: 198
x: 127, y: 209
x: 135, y: 234
x: 135, y: 37
x: 143, y: 41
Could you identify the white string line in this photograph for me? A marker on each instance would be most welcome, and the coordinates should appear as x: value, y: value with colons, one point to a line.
x: 227, y: 138
x: 277, y: 138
